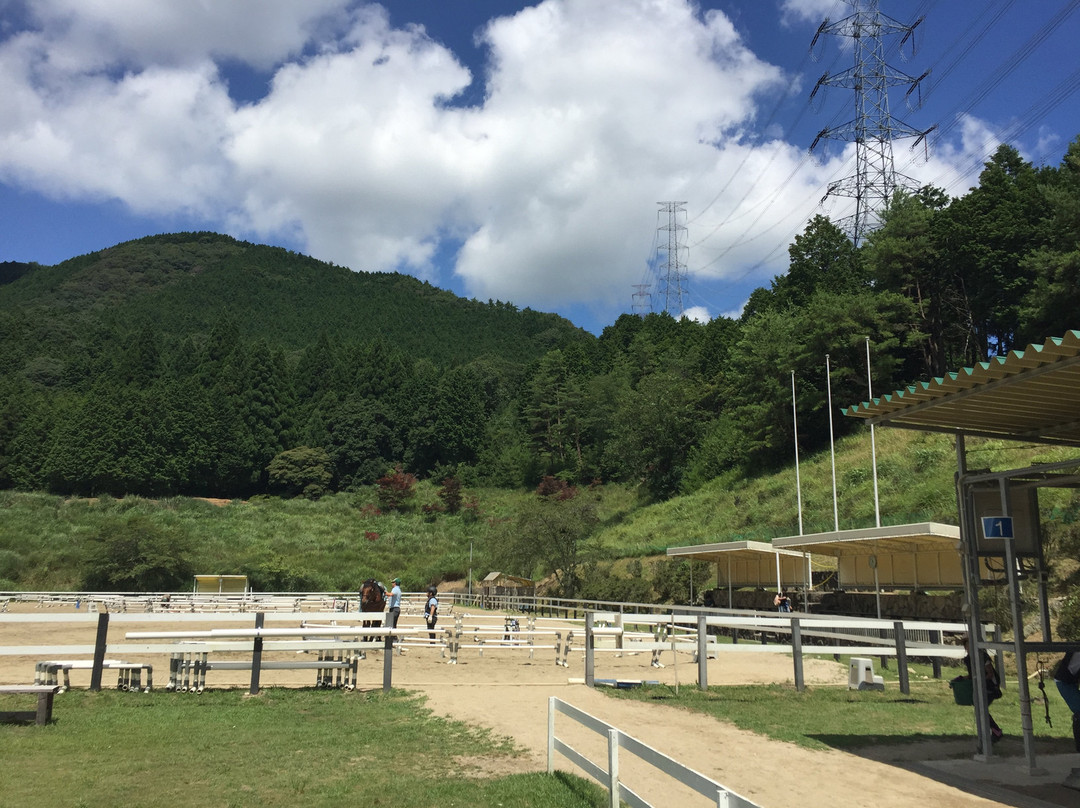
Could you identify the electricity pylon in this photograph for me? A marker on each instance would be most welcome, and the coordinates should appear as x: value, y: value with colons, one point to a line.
x: 674, y: 268
x: 642, y: 299
x: 873, y: 129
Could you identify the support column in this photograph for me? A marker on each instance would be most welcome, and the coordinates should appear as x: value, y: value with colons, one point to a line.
x: 256, y: 656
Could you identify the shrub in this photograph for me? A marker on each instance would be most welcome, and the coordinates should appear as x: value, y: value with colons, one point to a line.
x: 1069, y: 617
x: 137, y: 555
x: 395, y: 489
x: 301, y: 472
x: 451, y: 494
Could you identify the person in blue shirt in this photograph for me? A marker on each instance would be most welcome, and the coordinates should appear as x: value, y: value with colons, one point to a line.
x: 394, y: 605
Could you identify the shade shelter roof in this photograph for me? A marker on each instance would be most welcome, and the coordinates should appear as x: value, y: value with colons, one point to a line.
x: 925, y: 536
x: 749, y: 563
x: 734, y: 550
x: 895, y: 557
x: 1027, y: 395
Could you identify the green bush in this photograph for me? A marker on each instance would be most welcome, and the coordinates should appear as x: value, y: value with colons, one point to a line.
x: 1069, y: 617
x: 301, y: 472
x: 134, y: 554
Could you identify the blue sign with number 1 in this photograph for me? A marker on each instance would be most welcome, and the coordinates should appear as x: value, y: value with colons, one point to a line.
x: 997, y: 527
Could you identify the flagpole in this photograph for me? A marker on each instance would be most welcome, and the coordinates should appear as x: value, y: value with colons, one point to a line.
x: 873, y: 442
x: 832, y: 445
x: 798, y: 481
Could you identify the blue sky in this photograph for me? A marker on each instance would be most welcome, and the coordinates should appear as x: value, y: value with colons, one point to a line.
x: 504, y: 150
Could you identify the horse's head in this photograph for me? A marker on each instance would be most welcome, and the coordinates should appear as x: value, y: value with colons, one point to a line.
x: 371, y: 596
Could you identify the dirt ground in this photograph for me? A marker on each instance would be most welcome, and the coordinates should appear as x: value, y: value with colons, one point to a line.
x: 507, y: 689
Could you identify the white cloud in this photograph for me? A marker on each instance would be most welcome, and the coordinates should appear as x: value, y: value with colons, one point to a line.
x: 596, y: 111
x: 355, y: 149
x: 699, y: 314
x: 99, y: 34
x: 593, y: 111
x: 814, y: 10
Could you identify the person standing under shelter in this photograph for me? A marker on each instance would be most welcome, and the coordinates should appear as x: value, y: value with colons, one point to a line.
x: 1067, y: 679
x: 993, y: 686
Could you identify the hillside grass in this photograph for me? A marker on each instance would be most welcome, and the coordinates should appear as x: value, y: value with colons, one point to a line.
x: 285, y: 747
x: 331, y: 544
x: 915, y: 473
x: 336, y: 542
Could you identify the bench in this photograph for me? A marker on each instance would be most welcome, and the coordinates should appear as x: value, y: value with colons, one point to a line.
x: 43, y: 714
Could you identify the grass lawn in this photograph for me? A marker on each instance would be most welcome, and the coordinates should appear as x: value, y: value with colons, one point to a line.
x: 283, y: 748
x: 835, y: 717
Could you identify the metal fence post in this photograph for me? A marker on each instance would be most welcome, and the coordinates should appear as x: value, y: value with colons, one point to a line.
x: 935, y: 662
x: 256, y: 656
x: 99, y: 650
x: 703, y: 653
x: 388, y: 662
x: 551, y: 736
x: 796, y: 654
x: 590, y: 651
x: 901, y: 657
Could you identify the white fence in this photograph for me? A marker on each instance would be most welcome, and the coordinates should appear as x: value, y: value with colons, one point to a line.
x: 614, y: 632
x: 595, y: 635
x: 618, y: 791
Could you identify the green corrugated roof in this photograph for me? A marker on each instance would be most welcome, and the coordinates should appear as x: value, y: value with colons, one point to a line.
x: 1031, y: 395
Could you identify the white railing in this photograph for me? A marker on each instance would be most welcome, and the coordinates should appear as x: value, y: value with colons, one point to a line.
x: 618, y: 791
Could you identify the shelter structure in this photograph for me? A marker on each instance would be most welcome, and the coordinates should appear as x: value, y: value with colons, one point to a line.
x: 898, y: 556
x: 1031, y: 396
x: 221, y: 585
x: 499, y: 585
x: 750, y: 564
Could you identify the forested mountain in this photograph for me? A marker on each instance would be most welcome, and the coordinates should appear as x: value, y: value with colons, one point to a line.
x: 197, y: 364
x: 184, y: 285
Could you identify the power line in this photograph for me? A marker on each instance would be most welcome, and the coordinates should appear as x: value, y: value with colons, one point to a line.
x: 1010, y: 64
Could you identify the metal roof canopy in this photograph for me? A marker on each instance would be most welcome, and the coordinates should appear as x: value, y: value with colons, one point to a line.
x: 1033, y: 396
x: 916, y: 556
x: 867, y: 541
x: 748, y: 563
x: 1027, y: 395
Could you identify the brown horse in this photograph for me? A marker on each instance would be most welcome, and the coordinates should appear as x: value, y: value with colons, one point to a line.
x: 372, y: 599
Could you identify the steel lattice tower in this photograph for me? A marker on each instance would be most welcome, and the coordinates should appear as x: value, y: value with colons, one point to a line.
x: 873, y: 129
x: 673, y: 270
x: 642, y: 299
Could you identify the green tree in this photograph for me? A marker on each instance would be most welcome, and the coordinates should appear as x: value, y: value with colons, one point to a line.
x: 266, y: 404
x: 1052, y: 305
x: 302, y: 471
x: 822, y: 258
x: 362, y: 441
x: 136, y: 555
x: 553, y: 413
x: 460, y: 417
x: 654, y: 428
x: 989, y: 232
x: 549, y: 536
x: 907, y: 258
